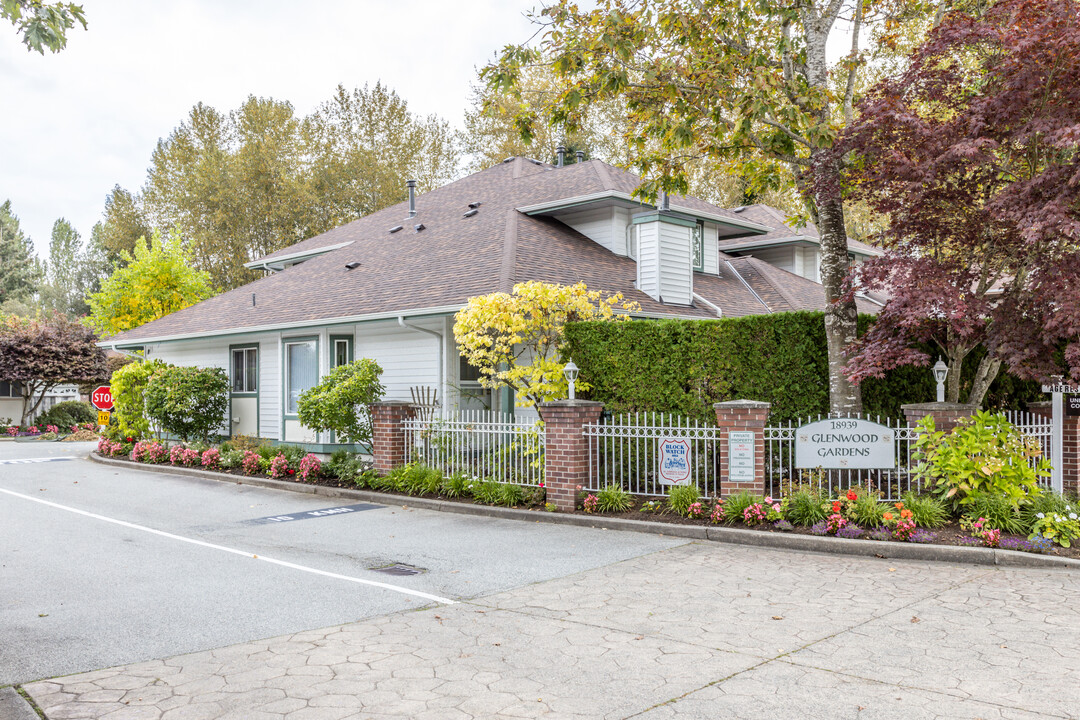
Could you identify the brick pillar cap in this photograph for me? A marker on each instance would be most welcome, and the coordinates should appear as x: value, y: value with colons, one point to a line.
x: 571, y: 404
x: 393, y: 402
x: 749, y: 404
x: 942, y: 406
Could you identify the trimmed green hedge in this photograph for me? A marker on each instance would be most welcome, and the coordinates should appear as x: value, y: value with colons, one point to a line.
x: 684, y: 366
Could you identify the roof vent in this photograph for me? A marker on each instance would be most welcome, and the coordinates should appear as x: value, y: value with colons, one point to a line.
x: 580, y: 155
x: 352, y: 265
x: 475, y: 204
x: 418, y: 227
x: 739, y: 209
x: 470, y: 213
x: 396, y: 228
x: 509, y: 159
x: 560, y: 155
x: 411, y: 185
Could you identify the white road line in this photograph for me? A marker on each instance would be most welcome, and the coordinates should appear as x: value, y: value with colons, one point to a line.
x: 242, y: 553
x: 27, y: 461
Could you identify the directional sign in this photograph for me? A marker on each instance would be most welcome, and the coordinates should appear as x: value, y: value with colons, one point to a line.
x: 101, y: 398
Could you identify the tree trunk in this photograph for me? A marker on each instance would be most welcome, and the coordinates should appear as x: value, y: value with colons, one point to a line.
x: 28, y: 408
x: 841, y: 315
x: 984, y: 377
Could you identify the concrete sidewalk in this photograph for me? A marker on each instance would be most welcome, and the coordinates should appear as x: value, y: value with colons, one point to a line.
x: 695, y: 631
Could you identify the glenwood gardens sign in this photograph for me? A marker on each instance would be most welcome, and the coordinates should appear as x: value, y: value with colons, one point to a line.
x: 845, y: 444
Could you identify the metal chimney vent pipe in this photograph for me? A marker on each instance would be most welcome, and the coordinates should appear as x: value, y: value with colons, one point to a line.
x: 411, y: 185
x: 665, y: 201
x: 580, y: 155
x: 560, y: 153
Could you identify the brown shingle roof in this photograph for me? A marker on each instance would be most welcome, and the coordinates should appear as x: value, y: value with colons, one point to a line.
x: 454, y: 258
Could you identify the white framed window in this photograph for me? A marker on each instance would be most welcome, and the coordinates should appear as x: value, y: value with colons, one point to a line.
x: 697, y: 245
x: 10, y: 389
x: 245, y: 370
x: 301, y: 371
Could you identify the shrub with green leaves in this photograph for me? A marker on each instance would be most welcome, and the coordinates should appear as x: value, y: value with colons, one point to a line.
x: 736, y: 503
x: 486, y: 492
x: 1061, y: 527
x: 999, y: 511
x: 612, y: 498
x: 128, y: 384
x: 926, y: 511
x: 681, y: 497
x: 341, y: 402
x: 511, y: 495
x: 189, y: 402
x: 65, y: 414
x: 866, y: 509
x: 230, y: 459
x: 806, y: 507
x: 1046, y: 503
x: 984, y: 456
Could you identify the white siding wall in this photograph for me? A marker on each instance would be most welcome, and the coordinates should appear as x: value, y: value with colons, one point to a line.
x: 597, y: 224
x: 620, y: 221
x: 270, y: 387
x: 712, y: 256
x: 407, y: 357
x: 781, y: 257
x: 11, y: 408
x: 648, y: 260
x: 676, y: 264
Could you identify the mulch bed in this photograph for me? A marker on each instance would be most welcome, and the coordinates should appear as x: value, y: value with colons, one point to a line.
x: 950, y: 534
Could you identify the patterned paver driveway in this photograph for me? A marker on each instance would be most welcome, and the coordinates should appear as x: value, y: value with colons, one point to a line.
x: 696, y: 631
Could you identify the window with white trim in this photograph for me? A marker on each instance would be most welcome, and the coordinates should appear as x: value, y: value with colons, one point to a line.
x: 10, y: 389
x: 697, y: 245
x: 301, y: 371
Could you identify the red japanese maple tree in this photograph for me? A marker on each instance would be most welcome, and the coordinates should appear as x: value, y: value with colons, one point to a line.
x: 974, y: 156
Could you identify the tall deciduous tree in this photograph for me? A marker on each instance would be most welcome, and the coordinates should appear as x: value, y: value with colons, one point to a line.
x: 974, y: 155
x: 43, y: 25
x: 156, y: 281
x: 41, y: 353
x: 244, y: 184
x: 74, y: 270
x: 747, y: 84
x: 20, y: 272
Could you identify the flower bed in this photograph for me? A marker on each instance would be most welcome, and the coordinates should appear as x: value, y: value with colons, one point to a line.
x: 44, y: 432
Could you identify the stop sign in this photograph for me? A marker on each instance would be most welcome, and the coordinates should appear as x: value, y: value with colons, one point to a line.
x: 101, y: 398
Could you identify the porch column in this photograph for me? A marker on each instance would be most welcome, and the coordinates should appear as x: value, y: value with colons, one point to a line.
x: 742, y: 445
x: 388, y: 433
x: 946, y: 415
x: 566, y: 450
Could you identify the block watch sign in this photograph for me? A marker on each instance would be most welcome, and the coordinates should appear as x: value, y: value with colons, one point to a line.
x: 741, y: 455
x: 674, y: 461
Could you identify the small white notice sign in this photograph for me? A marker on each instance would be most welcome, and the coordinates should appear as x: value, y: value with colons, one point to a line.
x: 845, y: 444
x: 741, y: 455
x: 674, y: 461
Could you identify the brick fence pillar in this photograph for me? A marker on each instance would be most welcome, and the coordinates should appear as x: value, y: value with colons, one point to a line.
x: 1070, y: 446
x: 388, y: 433
x: 946, y: 415
x: 566, y: 449
x: 742, y: 472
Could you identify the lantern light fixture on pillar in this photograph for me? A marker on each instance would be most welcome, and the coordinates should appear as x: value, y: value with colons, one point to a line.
x: 941, y: 371
x: 571, y: 373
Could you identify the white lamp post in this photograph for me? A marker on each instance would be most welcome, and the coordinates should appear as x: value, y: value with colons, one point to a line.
x: 571, y: 373
x: 941, y: 371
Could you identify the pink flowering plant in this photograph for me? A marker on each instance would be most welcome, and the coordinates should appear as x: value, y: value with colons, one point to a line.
x: 13, y: 430
x: 148, y: 451
x: 695, y: 510
x: 981, y: 529
x: 250, y: 463
x: 52, y: 428
x: 279, y: 467
x: 717, y: 514
x: 211, y: 459
x: 310, y: 466
x: 590, y: 503
x: 755, y: 514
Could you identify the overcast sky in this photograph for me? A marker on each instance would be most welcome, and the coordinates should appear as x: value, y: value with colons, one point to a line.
x: 75, y: 124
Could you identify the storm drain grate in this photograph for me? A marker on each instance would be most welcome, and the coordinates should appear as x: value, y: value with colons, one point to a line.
x: 399, y: 569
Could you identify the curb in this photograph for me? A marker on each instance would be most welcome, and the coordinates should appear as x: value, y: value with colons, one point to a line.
x: 734, y: 536
x: 13, y: 706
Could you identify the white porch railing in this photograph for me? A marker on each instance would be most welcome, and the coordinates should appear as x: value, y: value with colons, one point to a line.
x: 485, y: 444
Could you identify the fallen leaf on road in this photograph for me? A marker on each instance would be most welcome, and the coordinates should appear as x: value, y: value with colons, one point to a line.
x: 915, y: 620
x: 777, y: 617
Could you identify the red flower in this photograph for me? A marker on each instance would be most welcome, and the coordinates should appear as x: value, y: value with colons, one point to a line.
x: 836, y: 506
x: 851, y: 495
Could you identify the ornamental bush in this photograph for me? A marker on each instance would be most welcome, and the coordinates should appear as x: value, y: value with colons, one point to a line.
x: 341, y: 402
x: 68, y: 413
x: 984, y: 456
x: 190, y: 402
x: 128, y: 385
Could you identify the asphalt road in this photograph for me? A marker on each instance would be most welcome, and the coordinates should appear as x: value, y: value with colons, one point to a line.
x: 100, y: 567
